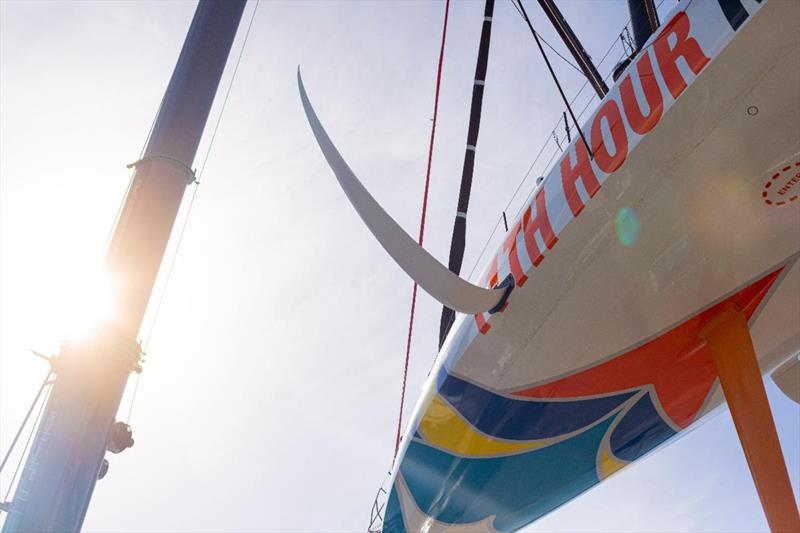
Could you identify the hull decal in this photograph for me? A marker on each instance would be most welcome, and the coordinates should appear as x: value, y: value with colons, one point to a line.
x: 670, y: 62
x: 674, y: 363
x: 639, y: 431
x: 517, y: 489
x: 481, y: 457
x: 523, y: 418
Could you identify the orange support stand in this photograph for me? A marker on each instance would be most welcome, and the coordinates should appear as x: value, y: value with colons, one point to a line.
x: 728, y: 338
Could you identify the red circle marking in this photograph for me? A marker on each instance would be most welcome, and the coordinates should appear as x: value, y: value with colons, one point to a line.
x: 790, y: 181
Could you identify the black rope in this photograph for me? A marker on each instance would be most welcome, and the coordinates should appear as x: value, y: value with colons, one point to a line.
x: 555, y: 79
x: 458, y: 240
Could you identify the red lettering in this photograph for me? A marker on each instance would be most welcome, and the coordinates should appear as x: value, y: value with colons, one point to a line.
x: 491, y: 276
x: 541, y: 223
x: 510, y: 248
x: 789, y: 184
x: 570, y: 174
x: 604, y: 160
x: 685, y: 47
x: 483, y: 326
x: 639, y: 123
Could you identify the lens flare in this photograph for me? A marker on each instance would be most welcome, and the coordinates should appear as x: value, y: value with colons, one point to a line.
x: 84, y: 304
x: 627, y: 225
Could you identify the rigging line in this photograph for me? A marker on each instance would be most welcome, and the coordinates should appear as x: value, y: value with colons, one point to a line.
x: 422, y: 223
x: 555, y: 153
x: 567, y: 61
x: 614, y: 42
x: 591, y: 99
x: 549, y: 139
x: 602, y: 59
x: 118, y: 213
x: 555, y: 79
x: 130, y: 180
x: 173, y: 260
x: 199, y: 175
x: 27, y: 443
x: 133, y: 398
x: 550, y: 46
x: 513, y: 196
x: 528, y: 172
x: 572, y: 101
x: 552, y: 157
x: 25, y: 420
x: 514, y: 3
x: 230, y: 86
x: 574, y: 45
x: 530, y: 194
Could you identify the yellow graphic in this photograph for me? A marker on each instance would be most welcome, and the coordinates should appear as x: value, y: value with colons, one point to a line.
x: 608, y: 464
x: 443, y: 427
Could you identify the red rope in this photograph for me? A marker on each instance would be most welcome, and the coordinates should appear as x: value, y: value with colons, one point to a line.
x: 422, y: 225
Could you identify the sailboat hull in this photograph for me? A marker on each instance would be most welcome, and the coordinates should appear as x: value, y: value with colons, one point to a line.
x: 688, y: 206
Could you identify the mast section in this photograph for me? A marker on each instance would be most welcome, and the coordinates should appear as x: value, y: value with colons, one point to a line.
x: 62, y: 467
x: 575, y: 47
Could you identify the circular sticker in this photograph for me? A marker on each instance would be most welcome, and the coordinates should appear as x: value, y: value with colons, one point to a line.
x: 783, y: 186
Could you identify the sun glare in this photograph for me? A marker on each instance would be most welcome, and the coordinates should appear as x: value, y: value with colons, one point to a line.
x: 78, y: 303
x: 89, y: 304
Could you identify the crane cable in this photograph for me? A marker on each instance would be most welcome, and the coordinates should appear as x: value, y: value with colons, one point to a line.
x: 35, y: 425
x: 422, y: 224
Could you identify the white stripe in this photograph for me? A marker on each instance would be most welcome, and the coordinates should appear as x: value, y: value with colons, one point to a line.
x: 487, y: 19
x: 461, y: 214
x: 470, y: 147
x: 479, y: 82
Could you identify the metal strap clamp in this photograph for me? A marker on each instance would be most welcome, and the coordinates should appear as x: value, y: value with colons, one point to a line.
x: 192, y: 177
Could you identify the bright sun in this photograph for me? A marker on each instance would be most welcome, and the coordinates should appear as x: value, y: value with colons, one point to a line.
x: 68, y: 303
x: 89, y: 303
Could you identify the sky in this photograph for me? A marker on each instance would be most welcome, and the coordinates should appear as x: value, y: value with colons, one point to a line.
x: 270, y: 390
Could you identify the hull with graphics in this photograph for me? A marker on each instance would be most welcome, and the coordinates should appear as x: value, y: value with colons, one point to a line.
x: 689, y: 205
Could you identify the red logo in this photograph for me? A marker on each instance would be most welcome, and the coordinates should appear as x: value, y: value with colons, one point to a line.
x: 783, y: 186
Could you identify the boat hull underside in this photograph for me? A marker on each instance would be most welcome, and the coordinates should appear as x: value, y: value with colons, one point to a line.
x: 596, y: 362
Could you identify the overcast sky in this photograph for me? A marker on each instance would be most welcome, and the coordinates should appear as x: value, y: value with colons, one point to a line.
x: 272, y: 377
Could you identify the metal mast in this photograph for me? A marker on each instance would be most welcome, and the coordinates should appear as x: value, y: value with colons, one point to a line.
x: 574, y: 45
x: 644, y: 19
x: 62, y: 468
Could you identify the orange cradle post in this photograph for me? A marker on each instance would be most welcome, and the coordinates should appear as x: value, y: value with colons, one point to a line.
x: 728, y: 338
